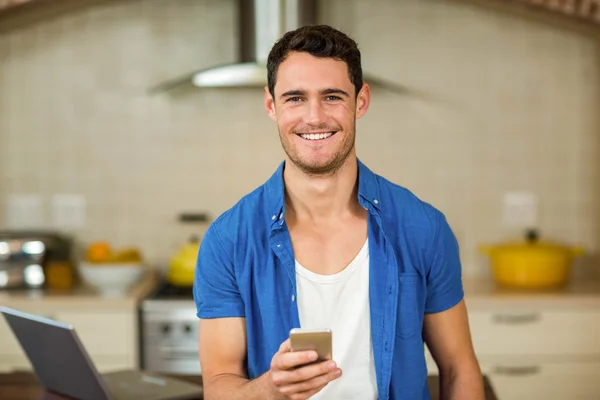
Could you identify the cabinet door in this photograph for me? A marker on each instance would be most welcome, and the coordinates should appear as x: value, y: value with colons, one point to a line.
x: 523, y: 332
x: 526, y: 380
x: 9, y: 346
x: 12, y: 356
x: 110, y: 338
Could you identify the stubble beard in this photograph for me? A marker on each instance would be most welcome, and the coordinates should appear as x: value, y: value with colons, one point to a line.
x: 321, y: 170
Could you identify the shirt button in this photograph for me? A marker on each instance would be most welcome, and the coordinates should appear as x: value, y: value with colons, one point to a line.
x: 273, y: 217
x: 293, y: 298
x: 278, y: 245
x: 376, y: 201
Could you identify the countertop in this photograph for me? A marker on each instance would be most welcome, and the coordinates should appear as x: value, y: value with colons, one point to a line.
x: 484, y: 293
x: 80, y: 297
x: 24, y: 386
x: 480, y: 293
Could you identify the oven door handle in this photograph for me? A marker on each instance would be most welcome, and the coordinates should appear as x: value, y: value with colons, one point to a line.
x: 178, y: 353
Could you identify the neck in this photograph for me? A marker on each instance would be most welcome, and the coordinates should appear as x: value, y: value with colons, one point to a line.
x: 321, y: 198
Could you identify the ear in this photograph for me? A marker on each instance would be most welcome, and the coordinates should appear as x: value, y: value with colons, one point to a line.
x: 270, y: 104
x: 363, y: 100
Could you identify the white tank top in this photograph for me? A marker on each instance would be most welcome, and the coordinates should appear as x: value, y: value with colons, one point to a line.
x: 340, y: 302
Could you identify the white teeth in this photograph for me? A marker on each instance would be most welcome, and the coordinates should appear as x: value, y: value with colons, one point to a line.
x: 316, y: 136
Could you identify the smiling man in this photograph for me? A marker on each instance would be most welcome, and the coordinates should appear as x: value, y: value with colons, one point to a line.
x: 327, y: 243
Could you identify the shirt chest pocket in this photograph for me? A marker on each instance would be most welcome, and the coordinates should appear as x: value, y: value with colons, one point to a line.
x: 409, y: 315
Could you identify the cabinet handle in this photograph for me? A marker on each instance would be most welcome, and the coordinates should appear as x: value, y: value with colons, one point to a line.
x: 516, y: 318
x: 518, y: 371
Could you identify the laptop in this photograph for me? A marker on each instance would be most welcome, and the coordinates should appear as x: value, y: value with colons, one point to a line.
x: 62, y: 365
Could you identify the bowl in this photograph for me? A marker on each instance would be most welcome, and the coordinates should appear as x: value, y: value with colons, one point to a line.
x: 111, y: 279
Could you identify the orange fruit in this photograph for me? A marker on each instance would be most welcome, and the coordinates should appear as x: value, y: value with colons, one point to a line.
x: 98, y: 252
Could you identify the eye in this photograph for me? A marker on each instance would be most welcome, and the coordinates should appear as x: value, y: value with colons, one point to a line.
x: 293, y: 99
x: 333, y: 98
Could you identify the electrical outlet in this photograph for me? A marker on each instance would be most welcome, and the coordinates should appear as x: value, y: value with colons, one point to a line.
x: 519, y: 210
x: 68, y: 210
x: 24, y: 211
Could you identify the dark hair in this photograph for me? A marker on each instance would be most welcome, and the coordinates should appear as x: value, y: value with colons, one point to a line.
x: 319, y: 41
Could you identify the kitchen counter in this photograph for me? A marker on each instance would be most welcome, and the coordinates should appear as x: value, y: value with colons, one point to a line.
x: 484, y: 293
x: 479, y: 293
x: 82, y: 297
x: 24, y: 386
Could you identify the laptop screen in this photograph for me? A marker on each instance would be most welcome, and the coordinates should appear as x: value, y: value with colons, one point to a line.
x: 56, y: 355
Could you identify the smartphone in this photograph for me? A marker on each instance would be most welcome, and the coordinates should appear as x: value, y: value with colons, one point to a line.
x: 319, y: 340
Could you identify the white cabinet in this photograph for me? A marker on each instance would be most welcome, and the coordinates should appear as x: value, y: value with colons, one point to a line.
x: 537, y: 353
x: 538, y: 379
x: 568, y: 332
x: 108, y: 335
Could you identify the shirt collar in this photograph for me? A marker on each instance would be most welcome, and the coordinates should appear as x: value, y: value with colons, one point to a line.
x: 368, y: 187
x: 368, y: 192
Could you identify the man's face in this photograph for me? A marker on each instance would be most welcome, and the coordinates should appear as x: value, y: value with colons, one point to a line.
x: 315, y: 108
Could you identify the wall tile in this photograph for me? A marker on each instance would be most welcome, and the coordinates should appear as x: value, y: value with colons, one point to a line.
x: 501, y: 102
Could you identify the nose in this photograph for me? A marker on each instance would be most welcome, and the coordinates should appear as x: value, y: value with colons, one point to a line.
x: 316, y: 113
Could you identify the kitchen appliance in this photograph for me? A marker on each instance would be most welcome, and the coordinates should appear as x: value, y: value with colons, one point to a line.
x: 169, y: 331
x: 29, y: 258
x: 261, y: 24
x: 532, y: 264
x: 183, y: 263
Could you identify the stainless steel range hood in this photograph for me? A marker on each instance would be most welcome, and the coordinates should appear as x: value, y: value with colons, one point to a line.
x: 261, y: 24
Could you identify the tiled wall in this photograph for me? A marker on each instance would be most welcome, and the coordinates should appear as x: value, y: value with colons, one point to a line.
x: 502, y: 101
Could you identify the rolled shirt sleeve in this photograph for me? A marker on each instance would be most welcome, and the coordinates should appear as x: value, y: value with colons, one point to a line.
x: 444, y: 280
x: 216, y: 292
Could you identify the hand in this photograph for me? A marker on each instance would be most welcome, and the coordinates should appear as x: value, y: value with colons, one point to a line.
x: 289, y: 378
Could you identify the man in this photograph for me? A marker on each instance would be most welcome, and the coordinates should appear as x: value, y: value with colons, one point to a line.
x: 326, y: 243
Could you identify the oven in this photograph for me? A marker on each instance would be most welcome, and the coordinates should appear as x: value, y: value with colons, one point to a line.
x: 169, y: 331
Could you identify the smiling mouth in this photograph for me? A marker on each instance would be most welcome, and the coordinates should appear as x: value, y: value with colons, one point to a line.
x: 316, y: 136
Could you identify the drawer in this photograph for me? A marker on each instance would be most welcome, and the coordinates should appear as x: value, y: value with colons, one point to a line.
x: 533, y: 332
x: 522, y: 380
x: 104, y: 333
x: 527, y: 379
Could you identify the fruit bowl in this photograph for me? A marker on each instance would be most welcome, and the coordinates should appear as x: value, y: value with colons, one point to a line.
x: 111, y: 279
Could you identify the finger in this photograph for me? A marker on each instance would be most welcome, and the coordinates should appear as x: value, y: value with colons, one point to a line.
x: 304, y: 373
x: 285, y: 346
x: 311, y: 386
x: 286, y: 377
x: 307, y: 372
x: 292, y: 359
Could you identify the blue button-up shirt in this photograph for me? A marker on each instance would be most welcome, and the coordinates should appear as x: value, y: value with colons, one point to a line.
x: 246, y: 269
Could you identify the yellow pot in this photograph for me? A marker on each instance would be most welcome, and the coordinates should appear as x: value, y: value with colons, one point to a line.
x: 531, y: 264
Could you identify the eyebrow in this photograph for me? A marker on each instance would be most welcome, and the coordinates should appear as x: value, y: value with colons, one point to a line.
x: 298, y: 92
